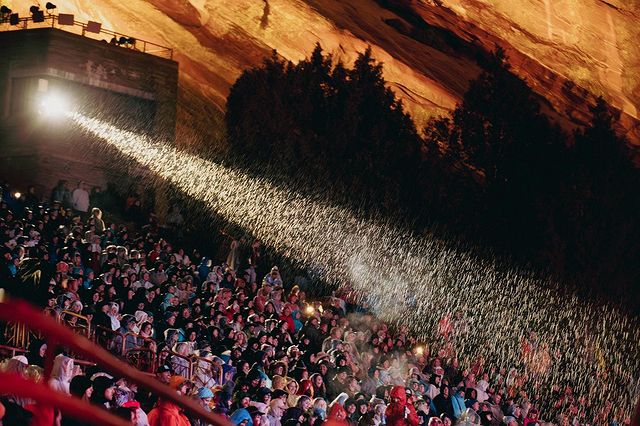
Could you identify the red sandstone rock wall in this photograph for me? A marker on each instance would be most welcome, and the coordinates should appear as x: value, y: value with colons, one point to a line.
x: 566, y: 49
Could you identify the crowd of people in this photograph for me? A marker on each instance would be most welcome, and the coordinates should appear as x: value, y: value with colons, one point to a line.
x: 266, y: 355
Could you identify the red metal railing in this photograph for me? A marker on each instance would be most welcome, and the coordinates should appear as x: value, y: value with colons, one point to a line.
x: 51, y: 21
x: 13, y: 384
x: 59, y: 335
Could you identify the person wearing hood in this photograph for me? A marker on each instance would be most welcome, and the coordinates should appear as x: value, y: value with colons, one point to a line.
x: 443, y: 402
x: 457, y: 401
x: 126, y: 338
x: 103, y: 392
x: 168, y: 413
x: 203, y: 269
x: 17, y: 365
x: 80, y: 387
x: 113, y: 313
x: 292, y: 416
x: 400, y: 412
x: 276, y: 411
x: 37, y: 352
x: 257, y: 415
x: 337, y: 414
x: 61, y: 373
x: 222, y: 402
x: 204, y: 398
x: 241, y: 417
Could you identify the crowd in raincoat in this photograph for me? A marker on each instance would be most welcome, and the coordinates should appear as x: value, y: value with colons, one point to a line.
x: 266, y: 355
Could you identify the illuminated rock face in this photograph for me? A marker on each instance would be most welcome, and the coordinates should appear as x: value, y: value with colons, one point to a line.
x: 566, y: 49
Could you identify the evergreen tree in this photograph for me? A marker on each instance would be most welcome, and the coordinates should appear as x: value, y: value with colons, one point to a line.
x: 317, y: 121
x: 603, y: 230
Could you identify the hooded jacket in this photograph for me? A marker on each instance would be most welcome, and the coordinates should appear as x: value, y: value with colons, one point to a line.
x: 167, y: 414
x: 61, y: 374
x: 240, y: 415
x: 399, y: 412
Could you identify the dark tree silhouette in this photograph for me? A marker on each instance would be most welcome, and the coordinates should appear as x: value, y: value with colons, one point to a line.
x: 316, y: 121
x: 496, y: 172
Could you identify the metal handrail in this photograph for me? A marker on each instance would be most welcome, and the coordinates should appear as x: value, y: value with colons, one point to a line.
x: 135, y: 358
x: 146, y: 46
x: 57, y: 334
x: 13, y: 350
x: 188, y: 367
x: 195, y: 365
x: 86, y: 329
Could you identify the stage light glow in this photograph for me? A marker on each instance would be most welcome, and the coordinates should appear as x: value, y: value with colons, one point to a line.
x: 54, y: 105
x: 17, y: 195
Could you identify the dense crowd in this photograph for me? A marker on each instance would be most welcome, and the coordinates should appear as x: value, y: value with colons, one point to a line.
x: 265, y: 354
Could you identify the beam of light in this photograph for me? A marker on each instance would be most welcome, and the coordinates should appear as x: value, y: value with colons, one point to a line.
x: 486, y: 311
x: 54, y: 105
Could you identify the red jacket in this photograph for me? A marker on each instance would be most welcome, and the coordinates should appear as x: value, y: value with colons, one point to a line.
x: 167, y: 414
x: 399, y: 412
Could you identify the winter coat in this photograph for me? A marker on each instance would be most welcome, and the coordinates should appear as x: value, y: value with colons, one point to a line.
x: 167, y: 414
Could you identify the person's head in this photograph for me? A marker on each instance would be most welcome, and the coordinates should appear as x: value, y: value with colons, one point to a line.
x: 264, y: 395
x: 163, y: 374
x: 146, y: 329
x: 179, y: 384
x: 104, y: 388
x: 42, y: 350
x: 81, y: 387
x: 435, y: 421
x: 304, y: 403
x: 205, y: 396
x: 279, y: 394
x: 292, y: 387
x: 318, y: 381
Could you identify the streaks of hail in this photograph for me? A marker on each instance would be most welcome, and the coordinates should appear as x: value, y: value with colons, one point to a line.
x: 416, y: 281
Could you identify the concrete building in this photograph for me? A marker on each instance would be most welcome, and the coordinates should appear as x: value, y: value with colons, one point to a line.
x: 45, y: 72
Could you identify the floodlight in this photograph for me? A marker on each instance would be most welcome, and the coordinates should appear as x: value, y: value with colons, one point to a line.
x: 50, y: 6
x: 54, y: 105
x: 5, y: 11
x: 36, y: 14
x: 14, y: 19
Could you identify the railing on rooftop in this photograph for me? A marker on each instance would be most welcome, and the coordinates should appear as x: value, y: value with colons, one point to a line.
x: 94, y: 32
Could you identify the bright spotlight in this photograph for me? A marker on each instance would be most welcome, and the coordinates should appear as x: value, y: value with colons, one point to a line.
x: 17, y: 195
x: 54, y: 105
x: 309, y: 310
x: 419, y: 350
